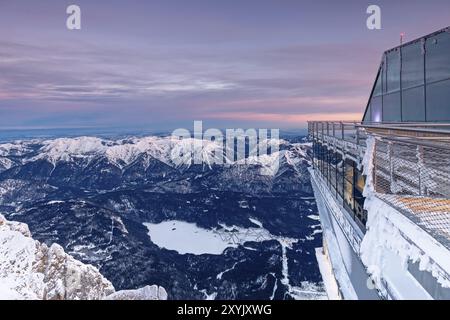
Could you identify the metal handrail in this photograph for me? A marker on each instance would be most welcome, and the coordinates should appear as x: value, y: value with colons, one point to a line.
x: 411, y: 128
x: 441, y: 131
x: 419, y: 169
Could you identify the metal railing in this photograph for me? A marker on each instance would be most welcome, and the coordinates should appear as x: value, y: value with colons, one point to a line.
x: 343, y: 137
x: 411, y: 166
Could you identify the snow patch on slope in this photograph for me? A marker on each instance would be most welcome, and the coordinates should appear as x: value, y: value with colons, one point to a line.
x: 271, y: 163
x: 15, y: 149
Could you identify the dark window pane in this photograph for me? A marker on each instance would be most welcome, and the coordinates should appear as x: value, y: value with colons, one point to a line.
x: 376, y: 109
x: 438, y: 57
x: 391, y: 107
x: 438, y: 101
x: 412, y: 65
x: 413, y: 104
x: 393, y: 71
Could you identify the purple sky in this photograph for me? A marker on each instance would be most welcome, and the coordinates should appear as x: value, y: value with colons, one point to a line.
x: 160, y: 64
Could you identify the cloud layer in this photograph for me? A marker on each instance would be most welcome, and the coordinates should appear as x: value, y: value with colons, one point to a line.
x: 168, y: 63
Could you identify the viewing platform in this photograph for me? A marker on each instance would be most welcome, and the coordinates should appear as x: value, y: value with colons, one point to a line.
x: 411, y: 170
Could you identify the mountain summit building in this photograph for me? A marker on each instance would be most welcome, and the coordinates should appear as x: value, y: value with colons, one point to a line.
x: 383, y: 184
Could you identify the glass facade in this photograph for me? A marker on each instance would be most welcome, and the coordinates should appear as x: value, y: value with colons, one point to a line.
x: 345, y: 181
x: 413, y: 83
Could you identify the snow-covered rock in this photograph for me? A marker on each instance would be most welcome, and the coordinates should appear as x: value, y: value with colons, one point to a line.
x: 146, y: 293
x: 31, y: 270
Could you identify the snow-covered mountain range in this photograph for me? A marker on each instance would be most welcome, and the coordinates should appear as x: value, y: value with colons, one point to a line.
x: 94, y: 197
x: 122, y: 153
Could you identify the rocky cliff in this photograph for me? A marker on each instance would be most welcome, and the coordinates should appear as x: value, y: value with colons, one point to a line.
x: 32, y: 270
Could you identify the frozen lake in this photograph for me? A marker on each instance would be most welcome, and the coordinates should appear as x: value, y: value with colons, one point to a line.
x: 186, y: 237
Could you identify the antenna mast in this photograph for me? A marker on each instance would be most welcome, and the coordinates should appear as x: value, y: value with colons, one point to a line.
x: 402, y: 36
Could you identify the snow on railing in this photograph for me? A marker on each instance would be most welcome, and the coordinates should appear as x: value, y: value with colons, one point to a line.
x: 414, y: 178
x: 411, y: 169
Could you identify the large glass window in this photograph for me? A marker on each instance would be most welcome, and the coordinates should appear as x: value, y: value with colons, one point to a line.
x: 393, y: 71
x: 376, y: 109
x: 345, y: 182
x: 438, y: 57
x: 375, y: 115
x: 378, y: 90
x: 409, y: 68
x: 392, y: 107
x: 412, y: 66
x: 413, y: 104
x: 368, y: 115
x: 438, y: 101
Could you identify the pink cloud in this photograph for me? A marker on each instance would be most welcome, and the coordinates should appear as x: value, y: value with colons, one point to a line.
x: 291, y: 105
x: 287, y: 118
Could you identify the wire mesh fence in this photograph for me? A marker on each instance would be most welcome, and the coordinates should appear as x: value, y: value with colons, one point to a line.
x: 414, y: 178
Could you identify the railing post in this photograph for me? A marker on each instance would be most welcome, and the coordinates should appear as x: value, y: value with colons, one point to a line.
x: 420, y: 165
x: 391, y: 168
x: 332, y: 133
x: 374, y: 163
x: 357, y: 135
x: 316, y: 130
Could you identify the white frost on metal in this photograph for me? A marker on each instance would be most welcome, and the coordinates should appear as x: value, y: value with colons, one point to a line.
x: 388, y: 231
